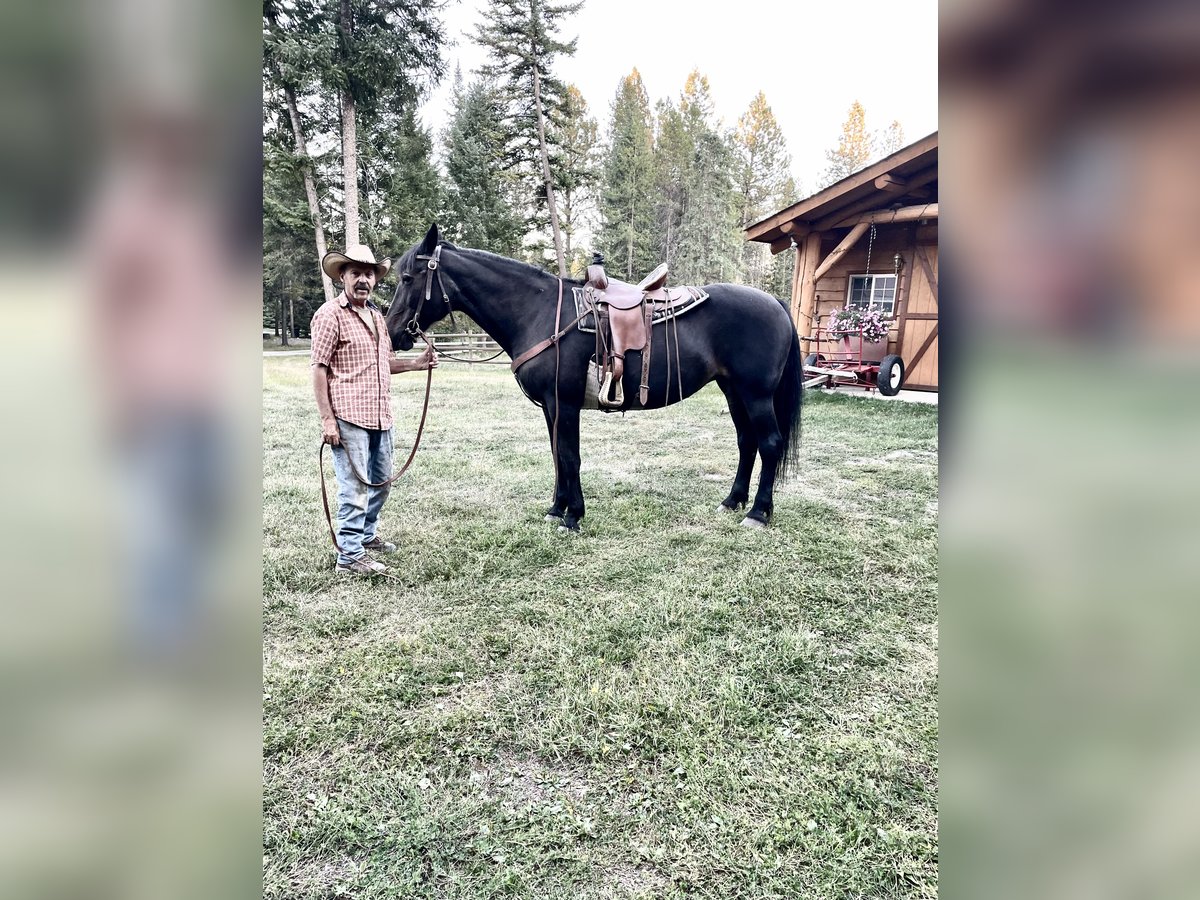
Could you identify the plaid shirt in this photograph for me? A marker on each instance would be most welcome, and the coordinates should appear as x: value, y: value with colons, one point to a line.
x: 359, y: 377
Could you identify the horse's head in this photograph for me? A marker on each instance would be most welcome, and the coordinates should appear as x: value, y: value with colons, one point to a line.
x: 409, y: 310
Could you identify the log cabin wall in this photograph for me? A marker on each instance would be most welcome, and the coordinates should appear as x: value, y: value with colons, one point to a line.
x: 832, y: 289
x: 828, y: 232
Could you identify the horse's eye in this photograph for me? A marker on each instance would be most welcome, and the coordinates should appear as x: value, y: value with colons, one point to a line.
x: 406, y: 278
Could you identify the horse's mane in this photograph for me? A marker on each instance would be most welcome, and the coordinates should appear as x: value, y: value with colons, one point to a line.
x: 515, y: 264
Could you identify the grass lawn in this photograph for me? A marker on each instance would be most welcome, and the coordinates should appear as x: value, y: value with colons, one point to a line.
x: 274, y: 343
x: 666, y: 705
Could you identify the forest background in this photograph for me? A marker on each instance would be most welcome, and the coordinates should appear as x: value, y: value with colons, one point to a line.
x: 517, y: 162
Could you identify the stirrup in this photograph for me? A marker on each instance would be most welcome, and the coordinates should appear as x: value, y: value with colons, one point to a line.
x: 606, y: 387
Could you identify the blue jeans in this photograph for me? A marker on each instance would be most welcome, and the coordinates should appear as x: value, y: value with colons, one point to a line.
x: 359, y: 505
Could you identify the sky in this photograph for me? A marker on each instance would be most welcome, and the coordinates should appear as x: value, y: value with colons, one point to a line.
x: 812, y: 60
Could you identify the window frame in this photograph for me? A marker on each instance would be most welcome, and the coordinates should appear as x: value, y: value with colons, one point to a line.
x: 888, y: 313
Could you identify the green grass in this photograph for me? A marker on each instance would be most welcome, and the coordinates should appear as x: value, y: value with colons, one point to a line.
x: 274, y: 343
x: 666, y: 705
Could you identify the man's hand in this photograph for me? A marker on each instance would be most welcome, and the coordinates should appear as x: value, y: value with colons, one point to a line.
x: 427, y: 360
x: 330, y: 434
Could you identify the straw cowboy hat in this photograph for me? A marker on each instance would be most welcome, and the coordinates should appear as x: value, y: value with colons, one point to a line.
x: 360, y: 253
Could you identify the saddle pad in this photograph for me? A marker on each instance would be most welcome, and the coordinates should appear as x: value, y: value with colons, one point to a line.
x: 588, y: 322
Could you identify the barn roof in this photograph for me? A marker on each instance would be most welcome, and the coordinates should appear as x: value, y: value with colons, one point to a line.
x: 906, y: 177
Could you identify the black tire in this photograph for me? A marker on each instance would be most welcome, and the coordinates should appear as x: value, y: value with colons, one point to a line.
x: 813, y: 359
x: 891, y: 375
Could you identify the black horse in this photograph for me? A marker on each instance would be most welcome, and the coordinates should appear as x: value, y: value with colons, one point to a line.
x: 741, y: 337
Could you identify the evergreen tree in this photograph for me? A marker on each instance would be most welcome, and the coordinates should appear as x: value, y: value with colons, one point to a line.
x: 781, y: 266
x: 855, y: 147
x: 576, y: 174
x: 709, y: 241
x: 522, y: 42
x: 402, y: 190
x: 626, y: 210
x: 763, y: 183
x: 287, y: 67
x: 480, y: 208
x: 384, y: 53
x: 674, y: 150
x: 291, y: 283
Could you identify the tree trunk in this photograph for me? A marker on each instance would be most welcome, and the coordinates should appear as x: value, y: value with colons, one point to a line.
x: 283, y: 320
x: 349, y: 146
x: 310, y: 187
x: 541, y: 122
x: 350, y: 168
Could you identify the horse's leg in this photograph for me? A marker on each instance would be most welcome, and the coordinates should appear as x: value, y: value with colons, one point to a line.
x: 568, y: 465
x: 559, y: 507
x: 770, y: 449
x: 747, y: 442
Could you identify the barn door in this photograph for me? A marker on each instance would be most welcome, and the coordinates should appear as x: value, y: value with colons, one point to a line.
x: 919, y: 322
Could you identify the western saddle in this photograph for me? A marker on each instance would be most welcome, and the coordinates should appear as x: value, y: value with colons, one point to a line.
x: 625, y: 321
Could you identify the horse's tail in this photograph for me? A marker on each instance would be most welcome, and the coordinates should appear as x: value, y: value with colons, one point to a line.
x: 788, y: 397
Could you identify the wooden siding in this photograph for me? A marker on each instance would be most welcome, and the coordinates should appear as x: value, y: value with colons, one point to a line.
x: 916, y: 306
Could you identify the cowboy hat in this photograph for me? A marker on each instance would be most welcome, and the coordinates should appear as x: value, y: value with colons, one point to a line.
x: 334, y: 260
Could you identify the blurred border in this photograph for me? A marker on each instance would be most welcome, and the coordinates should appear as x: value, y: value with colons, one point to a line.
x: 130, y: 219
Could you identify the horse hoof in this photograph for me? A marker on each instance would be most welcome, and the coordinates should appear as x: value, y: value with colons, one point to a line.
x: 753, y: 523
x: 722, y: 508
x: 563, y: 529
x: 550, y: 518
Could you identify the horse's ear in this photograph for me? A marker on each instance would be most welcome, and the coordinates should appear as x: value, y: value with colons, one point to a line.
x: 431, y: 240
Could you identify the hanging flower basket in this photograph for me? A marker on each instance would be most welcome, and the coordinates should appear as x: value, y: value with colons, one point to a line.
x: 855, y: 326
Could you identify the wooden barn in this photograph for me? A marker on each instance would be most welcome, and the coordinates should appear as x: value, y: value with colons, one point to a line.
x: 841, y: 262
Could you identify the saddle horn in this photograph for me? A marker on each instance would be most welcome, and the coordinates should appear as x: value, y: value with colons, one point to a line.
x: 596, y: 275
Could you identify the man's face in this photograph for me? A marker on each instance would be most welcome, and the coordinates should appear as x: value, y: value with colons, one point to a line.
x: 359, y: 281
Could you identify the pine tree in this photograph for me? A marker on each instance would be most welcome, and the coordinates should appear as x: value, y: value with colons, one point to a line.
x: 480, y: 211
x: 286, y: 72
x: 291, y: 283
x: 576, y: 173
x: 626, y: 210
x: 674, y: 150
x: 855, y: 147
x: 763, y: 182
x: 522, y: 42
x: 401, y: 188
x: 709, y: 242
x: 781, y: 266
x: 383, y: 53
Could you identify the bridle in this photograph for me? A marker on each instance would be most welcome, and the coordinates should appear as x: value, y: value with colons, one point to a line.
x: 432, y: 261
x: 433, y: 268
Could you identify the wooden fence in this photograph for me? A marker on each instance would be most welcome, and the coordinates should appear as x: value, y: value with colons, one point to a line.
x: 471, y: 346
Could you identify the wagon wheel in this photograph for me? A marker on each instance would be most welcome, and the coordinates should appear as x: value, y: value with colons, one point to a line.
x: 813, y: 359
x: 891, y: 375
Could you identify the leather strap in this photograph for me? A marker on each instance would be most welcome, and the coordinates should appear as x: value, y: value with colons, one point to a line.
x: 357, y: 474
x: 549, y: 342
x: 648, y: 315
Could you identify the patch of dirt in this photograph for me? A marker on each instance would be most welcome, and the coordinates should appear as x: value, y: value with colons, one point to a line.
x: 530, y: 780
x: 632, y: 881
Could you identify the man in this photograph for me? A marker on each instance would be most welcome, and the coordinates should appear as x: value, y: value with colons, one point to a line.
x: 352, y: 363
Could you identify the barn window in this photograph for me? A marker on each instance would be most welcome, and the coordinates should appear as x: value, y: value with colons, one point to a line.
x: 873, y: 292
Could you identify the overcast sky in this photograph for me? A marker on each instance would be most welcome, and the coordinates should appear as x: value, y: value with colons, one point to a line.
x: 811, y: 59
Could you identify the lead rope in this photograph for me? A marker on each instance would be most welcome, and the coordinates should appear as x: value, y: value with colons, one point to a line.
x: 354, y: 469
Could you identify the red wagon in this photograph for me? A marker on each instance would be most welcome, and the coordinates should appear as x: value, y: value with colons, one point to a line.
x: 845, y: 359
